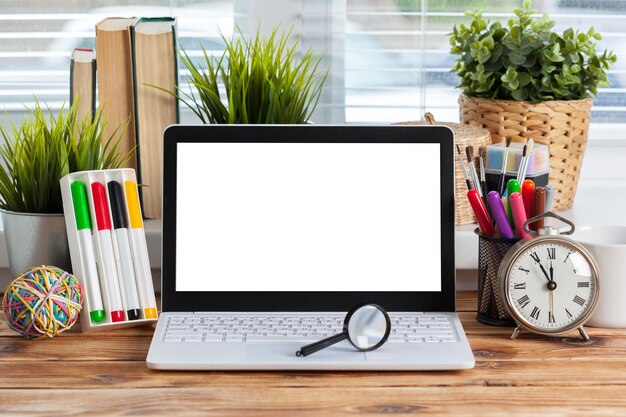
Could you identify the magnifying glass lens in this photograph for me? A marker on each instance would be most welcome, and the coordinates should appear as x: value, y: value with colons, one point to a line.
x: 366, y: 326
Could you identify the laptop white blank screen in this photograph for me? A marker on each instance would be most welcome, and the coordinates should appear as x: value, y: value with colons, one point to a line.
x: 308, y: 217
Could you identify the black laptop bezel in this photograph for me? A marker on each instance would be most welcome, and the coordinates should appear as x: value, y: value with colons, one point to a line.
x: 173, y: 300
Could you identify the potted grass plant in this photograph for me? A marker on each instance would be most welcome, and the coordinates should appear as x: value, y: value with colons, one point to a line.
x: 522, y: 80
x: 261, y: 79
x: 36, y: 154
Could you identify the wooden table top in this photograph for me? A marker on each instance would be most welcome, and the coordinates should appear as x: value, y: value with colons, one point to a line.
x: 105, y: 374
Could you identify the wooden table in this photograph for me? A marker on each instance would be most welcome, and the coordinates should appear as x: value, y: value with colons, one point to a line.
x: 105, y: 374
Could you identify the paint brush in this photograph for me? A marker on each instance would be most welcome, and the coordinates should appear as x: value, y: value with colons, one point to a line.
x: 467, y: 180
x: 529, y: 152
x: 521, y: 163
x: 469, y: 150
x: 505, y: 159
x: 482, y: 153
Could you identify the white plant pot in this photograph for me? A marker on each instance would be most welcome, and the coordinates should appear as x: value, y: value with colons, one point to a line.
x: 35, y: 239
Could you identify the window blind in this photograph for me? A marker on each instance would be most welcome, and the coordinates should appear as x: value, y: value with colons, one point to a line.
x: 37, y: 38
x: 388, y: 60
x: 397, y: 57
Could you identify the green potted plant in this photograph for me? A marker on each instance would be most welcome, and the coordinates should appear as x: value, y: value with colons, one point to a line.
x: 35, y: 154
x: 263, y: 82
x: 522, y: 80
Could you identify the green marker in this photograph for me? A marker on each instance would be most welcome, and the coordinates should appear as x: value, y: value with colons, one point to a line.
x: 87, y: 256
x: 511, y: 187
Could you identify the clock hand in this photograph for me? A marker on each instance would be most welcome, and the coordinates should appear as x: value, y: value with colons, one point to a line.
x: 551, y: 283
x: 551, y: 303
x: 544, y: 272
x: 551, y: 272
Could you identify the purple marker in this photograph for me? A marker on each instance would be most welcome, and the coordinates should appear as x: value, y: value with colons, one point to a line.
x: 500, y: 216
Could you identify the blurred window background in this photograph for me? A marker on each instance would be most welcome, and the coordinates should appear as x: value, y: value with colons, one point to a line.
x: 389, y: 59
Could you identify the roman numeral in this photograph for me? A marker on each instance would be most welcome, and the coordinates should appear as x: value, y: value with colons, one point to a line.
x: 535, y: 313
x: 583, y: 284
x: 550, y: 317
x: 535, y: 257
x: 525, y: 270
x: 567, y: 257
x: 569, y: 315
x: 521, y: 286
x: 551, y: 253
x: 523, y: 302
x: 580, y: 301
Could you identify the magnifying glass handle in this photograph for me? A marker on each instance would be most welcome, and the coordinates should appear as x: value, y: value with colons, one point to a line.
x: 324, y: 343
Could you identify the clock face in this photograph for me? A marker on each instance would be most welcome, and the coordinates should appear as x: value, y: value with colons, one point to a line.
x: 552, y: 286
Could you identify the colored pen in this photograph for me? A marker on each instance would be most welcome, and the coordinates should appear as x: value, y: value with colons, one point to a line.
x: 140, y: 252
x: 87, y: 256
x: 511, y: 187
x: 124, y: 257
x: 528, y: 195
x: 105, y: 252
x: 539, y: 208
x: 499, y: 215
x: 519, y: 215
x: 550, y: 190
x: 480, y: 211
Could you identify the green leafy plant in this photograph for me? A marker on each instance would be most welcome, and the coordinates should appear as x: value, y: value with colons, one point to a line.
x: 40, y: 150
x: 263, y: 82
x: 525, y: 60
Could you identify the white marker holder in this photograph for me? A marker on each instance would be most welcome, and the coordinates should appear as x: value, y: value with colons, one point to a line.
x: 87, y: 178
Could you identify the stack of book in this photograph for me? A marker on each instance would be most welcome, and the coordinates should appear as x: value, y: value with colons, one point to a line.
x: 133, y: 58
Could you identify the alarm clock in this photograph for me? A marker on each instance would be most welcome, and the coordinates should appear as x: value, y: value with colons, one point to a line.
x: 549, y: 283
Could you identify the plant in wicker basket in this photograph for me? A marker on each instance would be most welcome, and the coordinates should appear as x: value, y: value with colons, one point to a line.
x: 522, y: 80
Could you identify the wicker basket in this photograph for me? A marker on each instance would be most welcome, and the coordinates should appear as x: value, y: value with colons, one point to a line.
x: 562, y: 125
x: 464, y: 136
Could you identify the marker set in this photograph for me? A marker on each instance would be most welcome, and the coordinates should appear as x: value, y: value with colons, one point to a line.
x: 108, y: 248
x: 504, y: 210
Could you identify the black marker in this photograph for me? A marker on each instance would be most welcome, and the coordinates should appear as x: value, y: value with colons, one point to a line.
x: 123, y: 256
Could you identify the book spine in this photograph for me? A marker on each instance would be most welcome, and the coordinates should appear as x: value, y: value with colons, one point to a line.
x: 115, y: 91
x: 71, y: 82
x: 84, y: 108
x: 175, y: 41
x: 94, y: 68
x: 149, y: 209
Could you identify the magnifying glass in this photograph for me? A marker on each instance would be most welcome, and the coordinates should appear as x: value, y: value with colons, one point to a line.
x: 366, y: 326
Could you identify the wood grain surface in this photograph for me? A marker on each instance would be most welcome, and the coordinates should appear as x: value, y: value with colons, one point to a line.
x: 104, y: 374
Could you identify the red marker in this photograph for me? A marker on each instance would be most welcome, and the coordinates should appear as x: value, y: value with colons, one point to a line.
x: 528, y: 195
x: 480, y: 211
x: 105, y: 252
x: 519, y: 215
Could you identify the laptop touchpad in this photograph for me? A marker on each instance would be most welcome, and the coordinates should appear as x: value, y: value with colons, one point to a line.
x: 280, y: 352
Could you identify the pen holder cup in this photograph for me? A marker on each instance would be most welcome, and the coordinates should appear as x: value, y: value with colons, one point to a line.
x: 491, y: 309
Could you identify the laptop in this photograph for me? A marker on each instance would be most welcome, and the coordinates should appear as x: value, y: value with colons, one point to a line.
x: 271, y: 233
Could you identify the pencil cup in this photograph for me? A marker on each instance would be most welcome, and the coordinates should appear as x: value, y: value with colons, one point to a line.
x: 491, y: 309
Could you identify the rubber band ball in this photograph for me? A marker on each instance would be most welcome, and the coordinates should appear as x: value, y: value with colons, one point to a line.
x: 43, y: 301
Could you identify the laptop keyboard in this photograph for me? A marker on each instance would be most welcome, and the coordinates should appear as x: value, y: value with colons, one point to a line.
x: 198, y: 328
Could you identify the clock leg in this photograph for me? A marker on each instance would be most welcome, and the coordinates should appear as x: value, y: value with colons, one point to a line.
x: 515, y: 333
x: 583, y: 333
